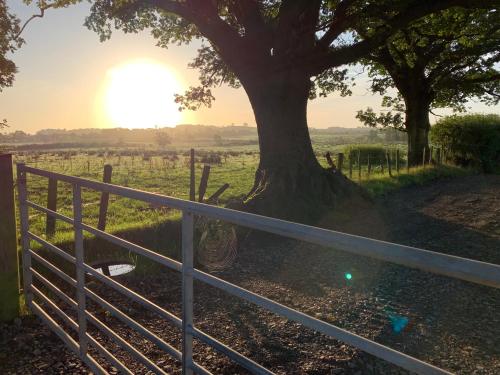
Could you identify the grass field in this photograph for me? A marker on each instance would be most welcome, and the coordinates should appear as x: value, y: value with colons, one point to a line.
x: 167, y: 172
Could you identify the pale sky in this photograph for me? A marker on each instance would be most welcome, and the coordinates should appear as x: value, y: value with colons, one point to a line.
x: 64, y: 79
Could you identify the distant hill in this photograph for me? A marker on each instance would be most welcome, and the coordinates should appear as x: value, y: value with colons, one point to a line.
x: 219, y: 135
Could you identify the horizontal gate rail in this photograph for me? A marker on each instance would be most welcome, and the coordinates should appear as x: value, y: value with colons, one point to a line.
x: 163, y: 260
x: 52, y: 248
x: 442, y: 264
x: 57, y: 215
x: 134, y: 324
x: 66, y: 338
x: 134, y: 296
x: 430, y: 261
x: 70, y: 322
x: 53, y: 268
x: 357, y: 341
x: 254, y: 367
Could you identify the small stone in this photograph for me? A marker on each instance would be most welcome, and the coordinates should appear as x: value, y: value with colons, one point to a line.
x: 37, y: 352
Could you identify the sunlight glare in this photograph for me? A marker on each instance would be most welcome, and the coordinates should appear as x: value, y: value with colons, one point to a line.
x: 140, y: 94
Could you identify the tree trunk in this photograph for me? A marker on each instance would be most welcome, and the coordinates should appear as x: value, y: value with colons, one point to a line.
x: 289, y: 181
x: 417, y: 126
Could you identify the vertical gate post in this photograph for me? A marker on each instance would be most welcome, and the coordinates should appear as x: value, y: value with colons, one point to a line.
x: 191, y: 177
x: 50, y: 228
x: 80, y: 272
x: 25, y: 242
x: 9, y: 270
x: 187, y: 292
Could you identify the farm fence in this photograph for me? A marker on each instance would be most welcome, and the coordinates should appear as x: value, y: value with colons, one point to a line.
x: 460, y: 268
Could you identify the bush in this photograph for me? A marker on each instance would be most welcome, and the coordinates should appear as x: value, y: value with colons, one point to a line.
x: 376, y: 153
x: 470, y: 140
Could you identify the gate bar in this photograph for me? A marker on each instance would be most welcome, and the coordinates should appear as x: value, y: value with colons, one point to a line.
x: 366, y: 345
x: 49, y: 212
x: 80, y: 272
x: 247, y: 363
x: 53, y: 268
x: 101, y: 349
x: 125, y: 345
x: 134, y: 324
x: 168, y: 262
x: 52, y: 248
x: 134, y: 296
x: 25, y: 242
x: 67, y: 339
x: 187, y: 292
x: 425, y: 260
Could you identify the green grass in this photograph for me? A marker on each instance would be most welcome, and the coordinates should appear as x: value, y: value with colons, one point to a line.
x: 161, y: 174
x: 379, y: 185
x: 158, y: 228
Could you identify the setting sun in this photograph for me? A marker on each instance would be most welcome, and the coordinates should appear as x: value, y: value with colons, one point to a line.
x: 140, y: 94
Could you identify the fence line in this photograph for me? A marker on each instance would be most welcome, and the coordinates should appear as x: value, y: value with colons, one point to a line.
x: 461, y: 268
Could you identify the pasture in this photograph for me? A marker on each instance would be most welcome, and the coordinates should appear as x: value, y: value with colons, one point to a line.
x: 167, y: 172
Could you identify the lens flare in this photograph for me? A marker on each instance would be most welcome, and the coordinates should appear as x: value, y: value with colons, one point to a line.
x: 348, y: 275
x: 398, y: 323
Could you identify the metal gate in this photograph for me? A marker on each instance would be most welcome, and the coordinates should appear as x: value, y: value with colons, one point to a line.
x: 460, y: 268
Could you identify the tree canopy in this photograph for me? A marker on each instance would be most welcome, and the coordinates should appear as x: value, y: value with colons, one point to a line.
x: 315, y: 36
x: 282, y: 53
x: 451, y: 57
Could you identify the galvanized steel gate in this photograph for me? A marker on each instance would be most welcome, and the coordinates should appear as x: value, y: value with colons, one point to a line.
x: 460, y: 268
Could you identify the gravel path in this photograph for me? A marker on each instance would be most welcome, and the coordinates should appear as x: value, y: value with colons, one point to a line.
x: 452, y: 324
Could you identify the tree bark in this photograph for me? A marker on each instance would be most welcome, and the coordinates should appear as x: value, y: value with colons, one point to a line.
x: 289, y: 182
x: 417, y: 126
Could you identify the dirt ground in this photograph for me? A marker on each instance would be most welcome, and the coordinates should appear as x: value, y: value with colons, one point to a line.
x: 451, y: 324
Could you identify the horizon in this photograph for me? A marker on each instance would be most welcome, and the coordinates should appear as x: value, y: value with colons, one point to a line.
x: 8, y: 130
x: 63, y: 81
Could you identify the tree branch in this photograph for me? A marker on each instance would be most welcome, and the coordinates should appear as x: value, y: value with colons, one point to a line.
x: 324, y: 59
x: 42, y: 13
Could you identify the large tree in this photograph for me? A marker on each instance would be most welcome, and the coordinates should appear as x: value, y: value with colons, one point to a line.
x: 282, y: 53
x: 441, y: 60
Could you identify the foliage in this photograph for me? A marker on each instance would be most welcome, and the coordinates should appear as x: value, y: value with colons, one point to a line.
x: 470, y: 140
x: 162, y: 139
x: 442, y: 60
x: 246, y: 39
x: 9, y: 43
x: 376, y: 154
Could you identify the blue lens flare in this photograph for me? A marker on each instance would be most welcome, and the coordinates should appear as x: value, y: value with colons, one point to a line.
x: 348, y: 276
x: 398, y: 323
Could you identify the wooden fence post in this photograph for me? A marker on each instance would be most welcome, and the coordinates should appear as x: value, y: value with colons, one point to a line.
x: 408, y: 161
x: 329, y: 160
x: 359, y: 164
x: 397, y: 161
x: 103, y: 207
x: 389, y: 167
x: 340, y: 161
x: 9, y: 263
x: 50, y: 221
x: 423, y: 157
x: 430, y: 155
x: 203, y: 182
x: 369, y: 166
x: 350, y: 165
x: 191, y: 178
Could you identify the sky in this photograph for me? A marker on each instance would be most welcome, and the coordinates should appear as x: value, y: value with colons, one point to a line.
x: 67, y: 79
